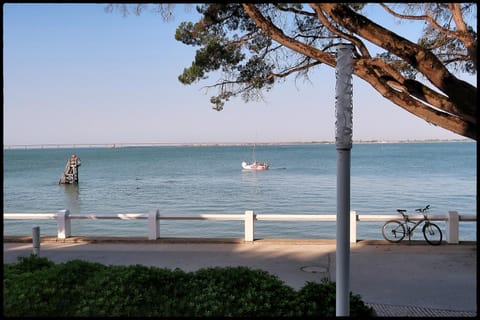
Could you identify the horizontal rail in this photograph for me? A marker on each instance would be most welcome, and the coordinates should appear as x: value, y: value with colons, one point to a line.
x: 29, y: 216
x: 229, y: 217
x: 224, y: 217
x: 295, y: 217
x: 64, y: 218
x: 416, y: 217
x: 118, y: 216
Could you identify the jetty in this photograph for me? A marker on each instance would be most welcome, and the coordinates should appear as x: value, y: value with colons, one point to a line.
x: 70, y: 174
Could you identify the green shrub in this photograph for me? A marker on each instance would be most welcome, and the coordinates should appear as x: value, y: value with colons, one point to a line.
x: 134, y: 291
x: 318, y: 299
x: 49, y: 290
x: 31, y: 263
x: 36, y: 287
x: 239, y: 291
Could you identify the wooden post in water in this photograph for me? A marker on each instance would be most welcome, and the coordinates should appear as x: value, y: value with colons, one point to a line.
x: 70, y: 174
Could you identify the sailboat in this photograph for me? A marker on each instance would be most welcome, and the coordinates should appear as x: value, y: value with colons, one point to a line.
x: 255, y: 165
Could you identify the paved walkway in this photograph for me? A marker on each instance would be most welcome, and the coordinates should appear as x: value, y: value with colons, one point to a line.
x: 407, y: 279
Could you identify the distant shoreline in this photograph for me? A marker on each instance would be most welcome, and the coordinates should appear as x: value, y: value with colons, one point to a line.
x: 211, y: 144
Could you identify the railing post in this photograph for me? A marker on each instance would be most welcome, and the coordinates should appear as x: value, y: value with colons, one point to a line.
x: 63, y: 224
x: 353, y: 226
x: 452, y: 227
x: 153, y: 225
x: 36, y: 240
x: 249, y: 225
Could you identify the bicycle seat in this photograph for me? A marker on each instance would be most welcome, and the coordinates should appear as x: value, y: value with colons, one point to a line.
x: 401, y: 210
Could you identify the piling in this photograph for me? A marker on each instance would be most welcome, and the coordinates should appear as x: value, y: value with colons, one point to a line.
x: 70, y: 173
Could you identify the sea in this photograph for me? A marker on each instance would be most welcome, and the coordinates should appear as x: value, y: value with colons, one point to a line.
x: 209, y: 179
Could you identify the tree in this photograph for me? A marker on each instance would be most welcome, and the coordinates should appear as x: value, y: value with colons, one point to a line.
x: 254, y: 46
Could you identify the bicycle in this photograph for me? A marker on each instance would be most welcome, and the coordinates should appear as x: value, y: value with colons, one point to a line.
x: 395, y: 231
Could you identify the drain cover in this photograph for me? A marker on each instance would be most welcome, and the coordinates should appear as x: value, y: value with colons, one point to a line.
x: 314, y: 269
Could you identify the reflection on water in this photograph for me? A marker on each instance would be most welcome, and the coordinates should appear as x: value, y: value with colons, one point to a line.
x: 72, y: 195
x: 251, y: 180
x: 254, y: 184
x: 250, y: 177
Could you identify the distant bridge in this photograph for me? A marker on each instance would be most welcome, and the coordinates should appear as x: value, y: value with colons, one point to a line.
x: 112, y: 145
x: 84, y: 145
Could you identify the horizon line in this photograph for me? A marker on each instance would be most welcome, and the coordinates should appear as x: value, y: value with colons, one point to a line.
x: 187, y: 144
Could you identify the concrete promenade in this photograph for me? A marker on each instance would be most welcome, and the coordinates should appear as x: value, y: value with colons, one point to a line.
x: 406, y: 279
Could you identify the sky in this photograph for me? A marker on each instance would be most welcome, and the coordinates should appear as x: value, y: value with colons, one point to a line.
x: 75, y: 74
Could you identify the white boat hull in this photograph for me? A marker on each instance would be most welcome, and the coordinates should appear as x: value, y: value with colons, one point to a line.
x: 255, y: 165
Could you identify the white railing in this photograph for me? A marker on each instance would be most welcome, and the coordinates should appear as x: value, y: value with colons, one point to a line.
x: 64, y: 219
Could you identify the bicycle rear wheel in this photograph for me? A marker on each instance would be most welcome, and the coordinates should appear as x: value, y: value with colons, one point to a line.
x: 432, y: 233
x: 393, y: 231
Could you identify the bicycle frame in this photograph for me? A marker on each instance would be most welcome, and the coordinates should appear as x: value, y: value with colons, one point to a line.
x: 411, y: 225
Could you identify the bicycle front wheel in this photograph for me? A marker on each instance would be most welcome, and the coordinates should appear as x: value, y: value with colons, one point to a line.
x: 393, y: 231
x: 432, y: 233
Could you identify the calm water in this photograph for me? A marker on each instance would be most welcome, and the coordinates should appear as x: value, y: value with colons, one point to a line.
x: 209, y: 179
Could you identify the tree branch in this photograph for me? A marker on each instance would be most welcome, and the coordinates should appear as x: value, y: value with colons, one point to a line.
x: 421, y: 59
x: 276, y: 34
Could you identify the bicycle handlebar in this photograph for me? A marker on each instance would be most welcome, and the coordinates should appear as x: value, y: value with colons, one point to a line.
x: 423, y: 209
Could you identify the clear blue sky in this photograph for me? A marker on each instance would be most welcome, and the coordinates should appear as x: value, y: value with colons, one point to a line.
x: 76, y: 74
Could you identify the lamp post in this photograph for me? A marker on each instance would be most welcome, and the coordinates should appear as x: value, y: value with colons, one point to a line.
x: 343, y: 141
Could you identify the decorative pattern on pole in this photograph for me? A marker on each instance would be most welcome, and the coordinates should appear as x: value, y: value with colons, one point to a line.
x: 343, y: 97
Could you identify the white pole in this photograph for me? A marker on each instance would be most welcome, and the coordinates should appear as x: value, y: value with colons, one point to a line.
x: 343, y: 139
x: 249, y: 225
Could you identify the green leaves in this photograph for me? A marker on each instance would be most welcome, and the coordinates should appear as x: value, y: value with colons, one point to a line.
x: 80, y: 288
